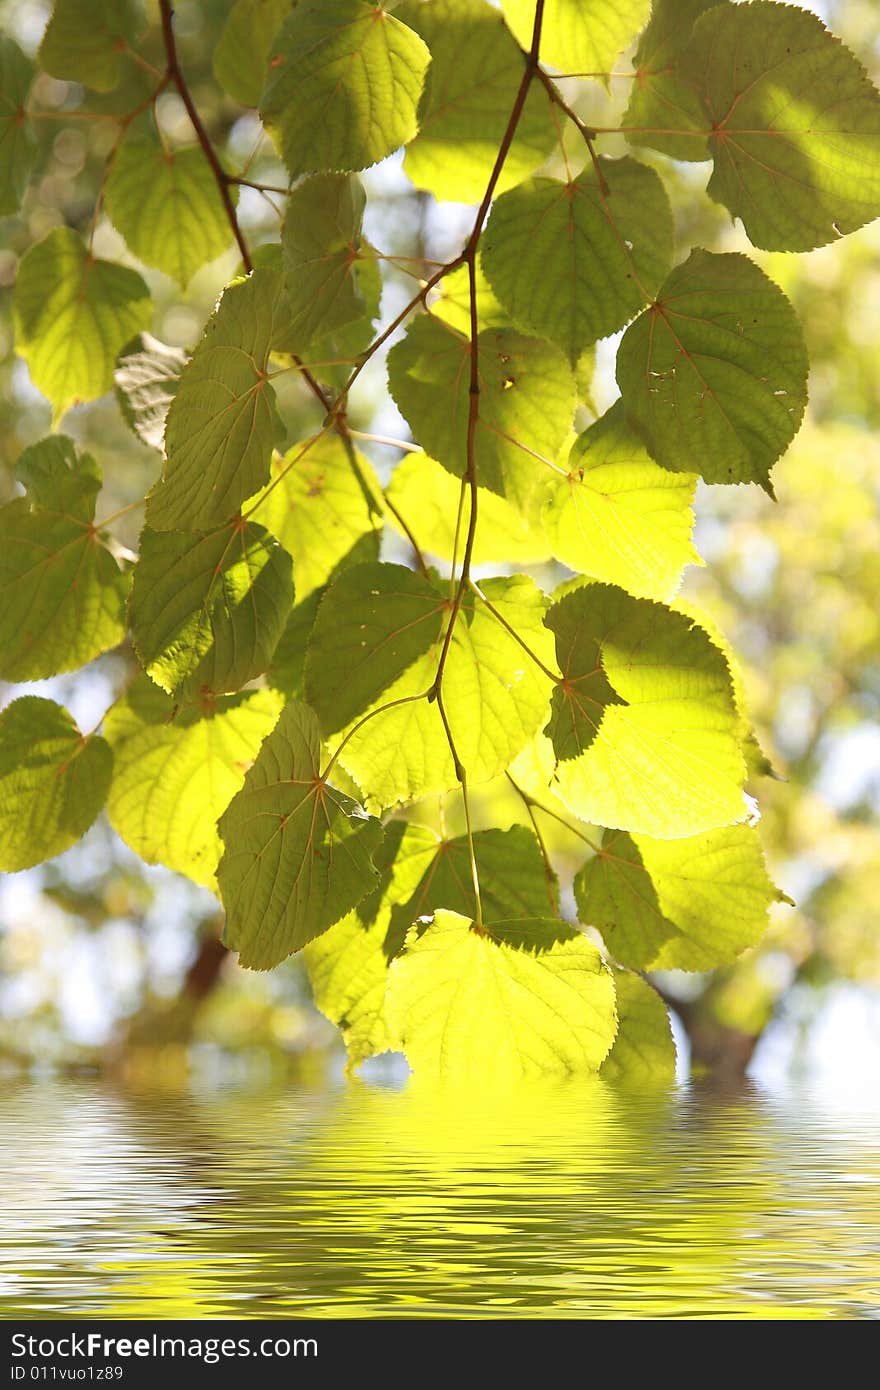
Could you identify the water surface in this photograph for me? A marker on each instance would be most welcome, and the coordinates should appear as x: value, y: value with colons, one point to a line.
x: 566, y: 1200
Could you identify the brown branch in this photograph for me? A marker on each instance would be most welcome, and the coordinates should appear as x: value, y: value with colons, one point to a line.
x: 587, y: 132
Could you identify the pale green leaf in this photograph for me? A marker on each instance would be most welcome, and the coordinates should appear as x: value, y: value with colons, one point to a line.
x: 297, y: 853
x: 323, y: 257
x: 662, y: 751
x: 348, y: 965
x: 794, y: 120
x: 223, y: 421
x: 664, y: 107
x: 517, y: 998
x: 344, y: 86
x: 618, y: 515
x: 167, y: 206
x: 574, y: 261
x: 62, y: 594
x: 320, y: 507
x: 714, y: 373
x: 87, y: 41
x: 241, y: 55
x: 579, y: 36
x: 207, y: 611
x: 527, y: 400
x: 689, y: 904
x: 453, y: 303
x: 73, y: 314
x: 475, y: 73
x: 18, y: 143
x: 53, y: 782
x: 422, y: 489
x: 495, y: 698
x: 643, y: 1051
x: 374, y: 622
x: 176, y: 770
x: 146, y: 378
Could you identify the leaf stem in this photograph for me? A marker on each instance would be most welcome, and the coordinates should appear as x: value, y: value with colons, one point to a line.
x: 587, y: 132
x: 365, y: 719
x: 529, y: 800
x: 551, y: 675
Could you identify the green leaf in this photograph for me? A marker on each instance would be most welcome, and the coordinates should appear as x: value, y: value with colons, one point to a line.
x: 495, y: 699
x: 348, y: 965
x: 241, y: 56
x: 795, y: 124
x: 374, y: 622
x: 476, y: 70
x: 662, y: 751
x: 664, y: 106
x: 714, y: 373
x: 53, y: 782
x: 579, y: 36
x: 176, y: 770
x: 62, y: 592
x: 618, y: 515
x: 643, y: 1050
x: 73, y: 314
x: 516, y: 999
x: 345, y: 82
x: 574, y: 261
x: 146, y: 378
x: 223, y: 421
x: 324, y: 258
x: 18, y: 142
x: 320, y: 508
x: 453, y: 304
x: 167, y: 206
x: 87, y: 41
x: 422, y: 489
x: 510, y: 867
x: 527, y: 400
x: 687, y: 904
x: 297, y: 853
x: 207, y: 611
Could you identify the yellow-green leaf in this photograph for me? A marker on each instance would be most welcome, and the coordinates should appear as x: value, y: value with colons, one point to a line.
x: 73, y: 314
x: 176, y: 770
x: 344, y: 84
x: 53, y: 782
x: 297, y: 853
x: 643, y: 1051
x: 579, y: 36
x: 514, y: 999
x: 618, y: 515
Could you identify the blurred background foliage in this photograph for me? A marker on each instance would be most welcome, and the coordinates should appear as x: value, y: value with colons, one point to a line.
x: 107, y: 963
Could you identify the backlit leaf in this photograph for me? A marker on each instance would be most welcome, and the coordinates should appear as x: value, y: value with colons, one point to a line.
x: 167, y: 206
x: 223, y: 421
x: 527, y: 399
x: 18, y: 144
x: 665, y: 111
x: 62, y: 594
x: 176, y: 770
x: 643, y: 1051
x: 320, y: 508
x: 207, y: 611
x: 53, y: 782
x: 688, y: 904
x: 714, y: 373
x: 472, y: 84
x: 572, y: 261
x: 795, y: 124
x: 241, y: 56
x: 648, y: 697
x: 618, y: 515
x: 345, y: 81
x: 515, y: 999
x: 73, y: 314
x: 494, y: 694
x: 86, y: 41
x: 298, y: 853
x: 374, y: 622
x: 583, y: 36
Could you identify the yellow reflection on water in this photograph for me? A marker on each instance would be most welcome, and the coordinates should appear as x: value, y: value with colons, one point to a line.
x: 567, y: 1199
